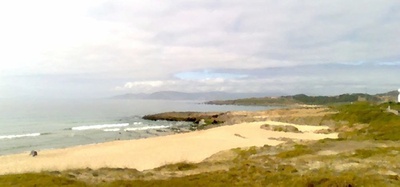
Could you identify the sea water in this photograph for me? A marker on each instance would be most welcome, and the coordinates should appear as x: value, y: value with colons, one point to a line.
x: 47, y: 124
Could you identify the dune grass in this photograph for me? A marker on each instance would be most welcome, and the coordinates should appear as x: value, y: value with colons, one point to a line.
x: 297, y: 151
x: 180, y: 166
x: 260, y: 177
x: 380, y: 125
x: 38, y: 179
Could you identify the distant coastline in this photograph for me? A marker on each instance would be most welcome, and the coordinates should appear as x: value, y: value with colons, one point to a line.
x: 302, y: 99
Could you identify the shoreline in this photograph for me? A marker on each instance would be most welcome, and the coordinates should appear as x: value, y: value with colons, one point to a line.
x: 70, y: 137
x: 55, y: 120
x: 149, y: 153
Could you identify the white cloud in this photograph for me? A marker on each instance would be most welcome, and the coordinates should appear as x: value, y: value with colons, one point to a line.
x: 143, y: 41
x: 143, y: 83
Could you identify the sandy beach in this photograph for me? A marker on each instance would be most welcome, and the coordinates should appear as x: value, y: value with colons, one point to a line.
x: 143, y: 154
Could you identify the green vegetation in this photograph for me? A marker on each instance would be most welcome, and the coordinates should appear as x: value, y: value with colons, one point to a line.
x: 379, y: 124
x: 260, y: 177
x: 297, y: 151
x: 245, y: 153
x: 181, y: 166
x: 37, y: 179
x: 328, y: 178
x: 393, y: 105
x: 366, y: 153
x: 281, y: 128
x: 323, y: 100
x: 248, y: 174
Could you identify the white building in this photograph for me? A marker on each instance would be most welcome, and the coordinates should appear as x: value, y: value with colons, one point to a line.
x: 398, y: 97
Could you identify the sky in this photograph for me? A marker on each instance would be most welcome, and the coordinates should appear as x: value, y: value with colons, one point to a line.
x: 100, y: 48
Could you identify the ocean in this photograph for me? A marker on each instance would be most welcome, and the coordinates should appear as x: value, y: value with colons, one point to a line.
x: 27, y: 125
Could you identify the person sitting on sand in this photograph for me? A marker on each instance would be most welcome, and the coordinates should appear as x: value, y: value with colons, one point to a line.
x: 33, y: 153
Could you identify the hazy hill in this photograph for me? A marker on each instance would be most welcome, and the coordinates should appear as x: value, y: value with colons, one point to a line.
x: 172, y: 95
x: 310, y: 100
x: 261, y: 98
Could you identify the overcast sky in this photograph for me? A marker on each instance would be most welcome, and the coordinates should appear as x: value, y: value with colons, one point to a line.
x: 83, y: 48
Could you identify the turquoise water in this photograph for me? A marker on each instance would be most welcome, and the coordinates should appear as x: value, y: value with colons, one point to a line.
x: 37, y: 124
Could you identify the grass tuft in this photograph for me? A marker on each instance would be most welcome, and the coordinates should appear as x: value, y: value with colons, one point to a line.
x: 37, y: 179
x: 297, y: 151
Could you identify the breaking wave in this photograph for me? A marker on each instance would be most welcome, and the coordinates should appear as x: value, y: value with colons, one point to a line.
x: 112, y: 130
x: 104, y: 126
x: 19, y: 136
x: 147, y: 128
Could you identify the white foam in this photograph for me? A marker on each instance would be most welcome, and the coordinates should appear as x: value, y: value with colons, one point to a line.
x: 104, y: 126
x: 111, y: 130
x: 137, y: 123
x: 19, y: 136
x: 146, y: 128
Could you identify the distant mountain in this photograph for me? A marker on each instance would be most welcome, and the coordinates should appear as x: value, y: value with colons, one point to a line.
x: 173, y: 95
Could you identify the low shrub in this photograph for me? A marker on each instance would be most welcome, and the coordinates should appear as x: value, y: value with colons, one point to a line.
x: 297, y: 151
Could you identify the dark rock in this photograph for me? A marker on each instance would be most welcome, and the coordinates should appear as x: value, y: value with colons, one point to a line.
x: 195, y: 117
x: 283, y: 128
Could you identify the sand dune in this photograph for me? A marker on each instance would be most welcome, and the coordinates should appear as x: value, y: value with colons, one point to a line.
x: 149, y: 153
